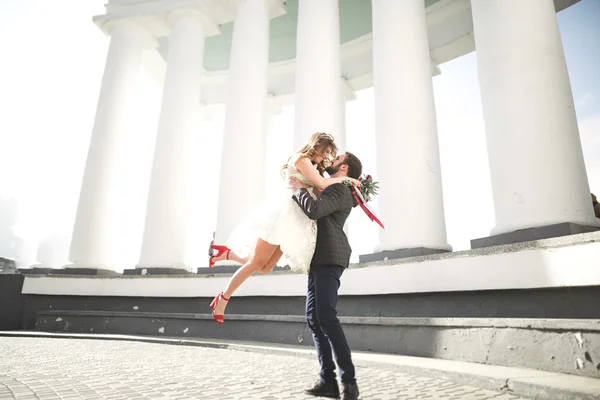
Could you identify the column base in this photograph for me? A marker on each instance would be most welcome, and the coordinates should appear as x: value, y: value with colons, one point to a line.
x: 34, y: 271
x: 400, y: 253
x: 83, y: 271
x: 531, y: 234
x: 157, y: 271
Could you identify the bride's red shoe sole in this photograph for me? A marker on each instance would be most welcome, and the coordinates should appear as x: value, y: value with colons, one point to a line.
x: 219, y: 318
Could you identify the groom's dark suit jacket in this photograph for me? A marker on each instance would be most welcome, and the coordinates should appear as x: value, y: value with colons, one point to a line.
x: 331, y: 211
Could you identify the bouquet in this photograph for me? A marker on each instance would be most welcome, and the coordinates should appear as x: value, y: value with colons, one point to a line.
x: 368, y: 187
x: 363, y: 194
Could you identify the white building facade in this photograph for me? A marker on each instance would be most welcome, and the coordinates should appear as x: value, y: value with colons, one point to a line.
x: 252, y: 55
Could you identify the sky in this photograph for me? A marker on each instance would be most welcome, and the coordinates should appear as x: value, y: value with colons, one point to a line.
x: 50, y: 75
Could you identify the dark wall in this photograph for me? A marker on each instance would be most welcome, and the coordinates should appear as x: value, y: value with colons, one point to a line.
x: 11, y: 301
x: 577, y: 302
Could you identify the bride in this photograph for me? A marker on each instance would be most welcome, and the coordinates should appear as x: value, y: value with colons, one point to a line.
x: 280, y: 227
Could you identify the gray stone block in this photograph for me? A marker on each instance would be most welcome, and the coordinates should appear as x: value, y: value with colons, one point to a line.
x: 531, y: 234
x: 11, y: 301
x: 83, y: 271
x: 35, y: 271
x: 7, y: 266
x: 400, y: 253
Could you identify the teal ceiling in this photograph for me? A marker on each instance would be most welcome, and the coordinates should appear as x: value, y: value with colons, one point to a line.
x: 355, y: 21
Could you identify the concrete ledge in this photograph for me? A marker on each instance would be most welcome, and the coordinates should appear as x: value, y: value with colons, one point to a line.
x: 400, y: 253
x: 531, y: 234
x: 553, y: 263
x: 517, y: 381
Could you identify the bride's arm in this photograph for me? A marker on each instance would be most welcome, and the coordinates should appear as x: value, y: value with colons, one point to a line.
x: 304, y: 165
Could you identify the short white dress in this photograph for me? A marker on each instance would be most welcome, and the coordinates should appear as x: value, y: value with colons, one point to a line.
x: 279, y: 221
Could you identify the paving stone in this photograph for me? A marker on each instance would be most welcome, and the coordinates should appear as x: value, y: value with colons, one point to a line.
x: 48, y: 369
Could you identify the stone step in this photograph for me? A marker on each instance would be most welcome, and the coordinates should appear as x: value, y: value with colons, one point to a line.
x: 556, y: 345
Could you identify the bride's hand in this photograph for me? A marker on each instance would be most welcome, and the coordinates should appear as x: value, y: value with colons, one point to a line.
x: 295, y: 184
x: 355, y: 182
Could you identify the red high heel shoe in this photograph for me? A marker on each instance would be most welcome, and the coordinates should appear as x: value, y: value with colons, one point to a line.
x: 220, y: 318
x: 220, y: 250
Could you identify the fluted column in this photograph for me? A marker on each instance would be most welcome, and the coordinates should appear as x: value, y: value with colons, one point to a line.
x: 408, y: 162
x: 242, y: 175
x: 319, y: 101
x: 95, y: 237
x: 536, y: 163
x: 164, y: 240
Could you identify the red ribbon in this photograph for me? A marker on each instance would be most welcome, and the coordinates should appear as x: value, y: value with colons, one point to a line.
x: 366, y: 209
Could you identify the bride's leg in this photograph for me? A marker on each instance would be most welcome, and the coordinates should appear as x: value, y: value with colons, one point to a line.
x: 238, y: 259
x: 272, y: 262
x: 261, y: 256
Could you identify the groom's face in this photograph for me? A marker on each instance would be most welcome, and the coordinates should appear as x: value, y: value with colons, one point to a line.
x: 336, y: 164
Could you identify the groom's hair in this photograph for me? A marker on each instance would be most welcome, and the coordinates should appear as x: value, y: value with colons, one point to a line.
x: 354, y: 165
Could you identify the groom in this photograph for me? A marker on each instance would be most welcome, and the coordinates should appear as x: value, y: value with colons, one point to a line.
x: 331, y: 257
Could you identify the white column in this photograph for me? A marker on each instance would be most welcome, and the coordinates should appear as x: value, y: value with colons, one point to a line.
x: 319, y: 100
x: 164, y: 241
x: 242, y: 175
x: 278, y: 141
x: 536, y: 162
x: 408, y: 162
x: 95, y: 236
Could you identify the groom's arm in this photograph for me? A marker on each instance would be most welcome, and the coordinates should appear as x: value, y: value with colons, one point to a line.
x: 330, y: 201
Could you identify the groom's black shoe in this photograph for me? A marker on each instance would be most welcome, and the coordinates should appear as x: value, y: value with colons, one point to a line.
x: 350, y: 391
x: 325, y: 389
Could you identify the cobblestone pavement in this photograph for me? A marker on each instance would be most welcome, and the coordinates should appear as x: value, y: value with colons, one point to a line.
x: 35, y: 368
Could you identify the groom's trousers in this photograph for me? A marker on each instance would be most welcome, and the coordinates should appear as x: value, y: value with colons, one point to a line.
x: 321, y: 314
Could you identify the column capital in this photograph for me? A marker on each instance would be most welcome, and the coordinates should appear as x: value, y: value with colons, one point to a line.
x: 156, y: 16
x: 276, y: 8
x: 110, y: 27
x: 211, y: 27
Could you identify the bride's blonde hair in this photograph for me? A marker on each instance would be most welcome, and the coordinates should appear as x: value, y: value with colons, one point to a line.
x: 318, y: 143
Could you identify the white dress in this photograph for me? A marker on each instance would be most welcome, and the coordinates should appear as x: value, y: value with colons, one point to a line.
x: 279, y: 221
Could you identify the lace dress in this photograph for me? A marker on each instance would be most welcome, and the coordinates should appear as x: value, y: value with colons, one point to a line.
x: 279, y: 221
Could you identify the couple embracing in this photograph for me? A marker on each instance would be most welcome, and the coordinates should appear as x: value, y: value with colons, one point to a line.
x: 305, y: 226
